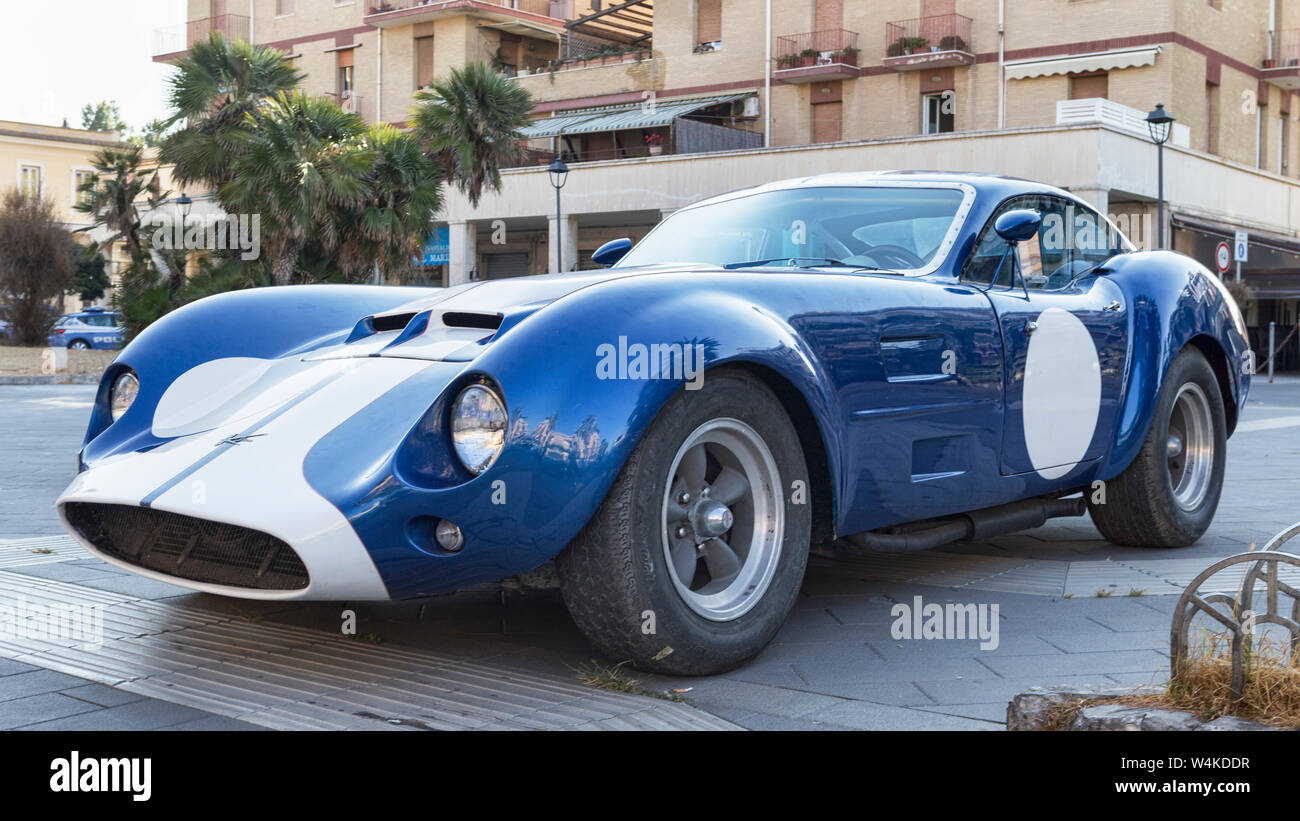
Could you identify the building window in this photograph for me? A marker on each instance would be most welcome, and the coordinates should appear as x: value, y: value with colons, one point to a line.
x: 1089, y: 86
x: 1261, y: 137
x: 283, y: 7
x: 1283, y: 135
x: 937, y: 113
x: 708, y: 25
x: 423, y: 61
x: 29, y: 180
x: 346, y: 82
x: 80, y: 178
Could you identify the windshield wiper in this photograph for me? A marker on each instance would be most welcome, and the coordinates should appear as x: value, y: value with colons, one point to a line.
x: 731, y: 266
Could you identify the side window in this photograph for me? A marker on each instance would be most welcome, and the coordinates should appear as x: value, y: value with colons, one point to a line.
x: 1072, y: 240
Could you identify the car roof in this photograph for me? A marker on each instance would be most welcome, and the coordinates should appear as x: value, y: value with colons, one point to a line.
x: 986, y: 185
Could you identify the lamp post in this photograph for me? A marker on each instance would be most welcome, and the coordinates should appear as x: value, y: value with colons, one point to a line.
x: 559, y: 175
x: 184, y: 204
x: 1159, y: 123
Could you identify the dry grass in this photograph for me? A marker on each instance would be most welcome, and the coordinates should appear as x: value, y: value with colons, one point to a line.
x: 20, y: 361
x: 1270, y: 695
x: 1271, y: 692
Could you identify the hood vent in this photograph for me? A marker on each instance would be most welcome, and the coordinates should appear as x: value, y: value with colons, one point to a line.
x: 465, y: 319
x: 390, y: 322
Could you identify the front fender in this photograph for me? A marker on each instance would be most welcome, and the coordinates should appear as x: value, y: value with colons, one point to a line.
x: 571, y: 428
x: 1173, y: 301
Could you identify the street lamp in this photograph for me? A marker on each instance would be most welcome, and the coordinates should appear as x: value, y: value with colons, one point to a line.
x: 1159, y: 123
x: 184, y: 203
x: 559, y: 175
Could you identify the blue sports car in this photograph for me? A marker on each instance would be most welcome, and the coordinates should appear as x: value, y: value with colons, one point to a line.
x: 884, y: 361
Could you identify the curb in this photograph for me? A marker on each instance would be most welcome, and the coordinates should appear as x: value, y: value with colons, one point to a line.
x: 51, y: 379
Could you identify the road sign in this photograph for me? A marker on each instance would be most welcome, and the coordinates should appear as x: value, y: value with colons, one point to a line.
x: 1241, y: 246
x: 1222, y: 257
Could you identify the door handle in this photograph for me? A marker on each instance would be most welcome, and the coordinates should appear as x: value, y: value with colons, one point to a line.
x: 1030, y: 327
x: 1113, y: 305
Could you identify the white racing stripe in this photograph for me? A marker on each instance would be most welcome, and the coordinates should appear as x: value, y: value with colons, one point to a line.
x: 259, y: 483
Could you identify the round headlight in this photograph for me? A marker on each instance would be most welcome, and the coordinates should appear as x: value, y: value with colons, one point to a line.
x: 478, y: 427
x: 125, y: 387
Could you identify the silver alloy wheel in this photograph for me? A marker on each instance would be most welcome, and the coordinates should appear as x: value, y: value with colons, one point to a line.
x: 1189, y: 449
x: 723, y: 519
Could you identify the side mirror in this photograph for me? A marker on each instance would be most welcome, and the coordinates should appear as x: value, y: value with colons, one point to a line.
x: 612, y: 251
x: 1018, y: 225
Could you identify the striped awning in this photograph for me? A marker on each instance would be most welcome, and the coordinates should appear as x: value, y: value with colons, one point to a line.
x: 621, y: 117
x: 1082, y: 63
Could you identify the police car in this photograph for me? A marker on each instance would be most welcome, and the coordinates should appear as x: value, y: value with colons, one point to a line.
x: 92, y: 328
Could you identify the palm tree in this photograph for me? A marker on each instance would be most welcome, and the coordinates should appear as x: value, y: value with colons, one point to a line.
x: 405, y: 192
x: 297, y: 158
x: 470, y: 122
x: 216, y: 86
x: 109, y: 196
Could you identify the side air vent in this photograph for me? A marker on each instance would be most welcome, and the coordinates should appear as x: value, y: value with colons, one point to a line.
x: 464, y: 319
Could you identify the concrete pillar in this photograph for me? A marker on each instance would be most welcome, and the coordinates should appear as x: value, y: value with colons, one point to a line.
x: 569, y: 243
x: 462, y: 238
x: 1098, y: 198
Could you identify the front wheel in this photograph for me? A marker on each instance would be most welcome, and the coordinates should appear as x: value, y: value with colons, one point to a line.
x: 695, y: 557
x: 79, y: 345
x: 1168, y: 495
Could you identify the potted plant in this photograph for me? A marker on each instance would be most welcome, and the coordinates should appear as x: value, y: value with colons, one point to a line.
x: 849, y: 55
x: 808, y: 57
x: 655, y: 143
x: 906, y: 45
x: 952, y: 42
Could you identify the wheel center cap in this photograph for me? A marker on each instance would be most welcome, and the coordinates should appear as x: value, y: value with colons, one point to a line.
x: 711, y: 519
x: 1174, y: 445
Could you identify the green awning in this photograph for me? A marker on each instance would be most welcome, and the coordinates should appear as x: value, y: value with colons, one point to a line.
x: 620, y: 117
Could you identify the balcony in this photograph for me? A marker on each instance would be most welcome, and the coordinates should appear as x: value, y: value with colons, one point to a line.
x: 514, y: 16
x: 942, y: 41
x: 1283, y: 70
x: 816, y: 56
x: 170, y: 42
x: 1117, y: 116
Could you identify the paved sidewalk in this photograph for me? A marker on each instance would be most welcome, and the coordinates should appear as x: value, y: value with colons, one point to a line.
x: 833, y: 666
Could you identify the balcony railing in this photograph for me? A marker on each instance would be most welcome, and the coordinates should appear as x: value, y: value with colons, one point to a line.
x: 1115, y: 115
x: 558, y: 9
x: 816, y: 48
x: 179, y: 38
x: 928, y: 42
x: 1287, y: 53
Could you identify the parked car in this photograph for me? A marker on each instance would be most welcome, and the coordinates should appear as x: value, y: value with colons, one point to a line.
x: 885, y: 361
x: 92, y: 328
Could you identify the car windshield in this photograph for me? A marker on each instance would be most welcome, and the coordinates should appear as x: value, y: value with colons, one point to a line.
x: 873, y: 227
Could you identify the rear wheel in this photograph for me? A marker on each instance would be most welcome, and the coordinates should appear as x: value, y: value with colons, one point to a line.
x: 1168, y: 495
x: 695, y: 558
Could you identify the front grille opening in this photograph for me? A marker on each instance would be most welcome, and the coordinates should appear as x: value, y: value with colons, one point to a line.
x: 189, y: 548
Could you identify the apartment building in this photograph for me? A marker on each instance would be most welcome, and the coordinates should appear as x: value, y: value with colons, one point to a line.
x: 657, y: 103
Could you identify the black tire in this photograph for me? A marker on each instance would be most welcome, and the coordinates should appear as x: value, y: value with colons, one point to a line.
x: 1140, y: 508
x: 79, y: 345
x: 616, y: 571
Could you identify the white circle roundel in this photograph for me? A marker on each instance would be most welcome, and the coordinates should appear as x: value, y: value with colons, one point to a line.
x: 1062, y: 393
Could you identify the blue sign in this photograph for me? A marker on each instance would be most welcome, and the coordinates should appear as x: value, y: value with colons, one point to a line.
x: 437, y: 249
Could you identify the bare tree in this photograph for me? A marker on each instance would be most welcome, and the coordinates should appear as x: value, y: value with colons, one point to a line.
x: 37, y: 263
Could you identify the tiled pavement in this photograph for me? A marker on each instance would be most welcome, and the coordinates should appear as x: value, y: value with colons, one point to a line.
x: 834, y: 664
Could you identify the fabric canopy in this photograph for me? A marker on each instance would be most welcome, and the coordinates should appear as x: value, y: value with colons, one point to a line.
x: 1082, y: 63
x: 618, y: 118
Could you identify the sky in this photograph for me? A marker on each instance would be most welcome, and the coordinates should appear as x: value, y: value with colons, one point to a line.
x: 59, y: 55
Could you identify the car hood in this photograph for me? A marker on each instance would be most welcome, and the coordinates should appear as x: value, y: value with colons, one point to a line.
x: 456, y: 324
